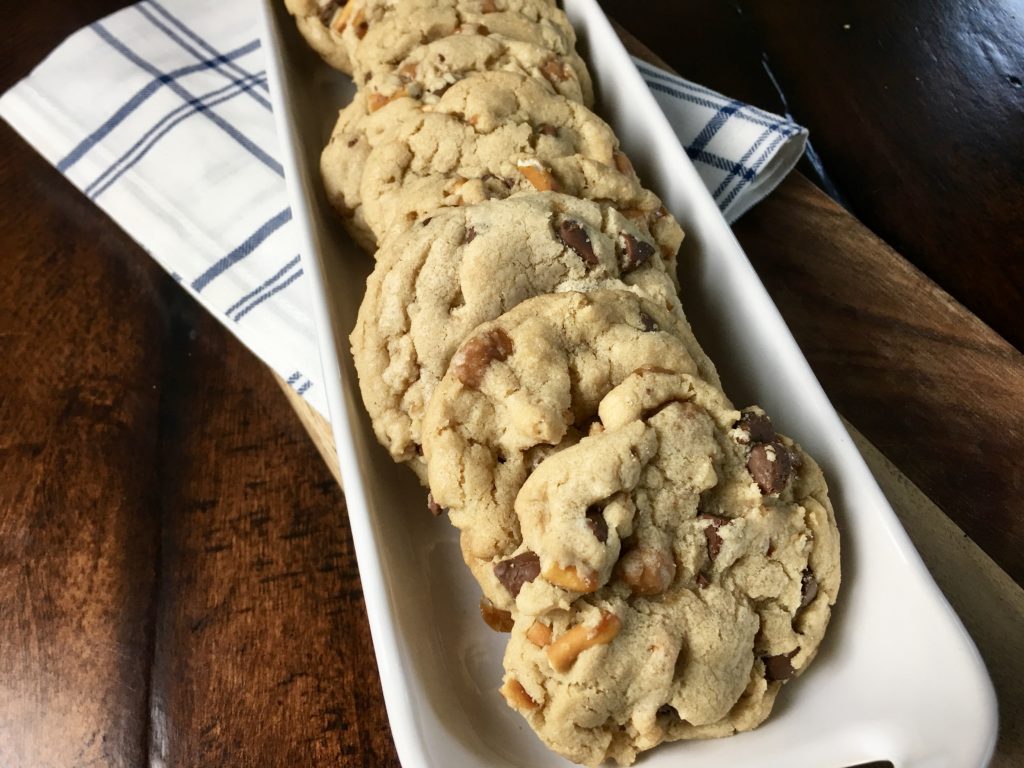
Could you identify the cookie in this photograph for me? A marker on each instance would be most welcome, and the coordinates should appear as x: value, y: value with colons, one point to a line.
x: 679, y: 577
x: 525, y: 385
x: 323, y: 23
x: 427, y: 70
x: 341, y: 170
x: 489, y: 136
x: 434, y: 284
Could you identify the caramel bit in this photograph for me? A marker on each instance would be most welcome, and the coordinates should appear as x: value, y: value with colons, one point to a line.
x: 633, y: 253
x: 647, y: 571
x: 517, y: 696
x: 564, y: 651
x: 470, y: 363
x: 808, y: 588
x: 494, y: 617
x: 568, y: 577
x: 622, y: 163
x: 539, y: 634
x: 770, y: 466
x: 375, y: 101
x: 539, y: 176
x: 648, y: 322
x: 573, y: 235
x: 597, y: 524
x: 516, y: 571
x: 337, y: 21
x: 556, y: 70
x: 779, y: 667
x: 435, y: 509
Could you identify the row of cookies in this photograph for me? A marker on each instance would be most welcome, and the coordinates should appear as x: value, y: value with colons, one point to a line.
x: 663, y: 562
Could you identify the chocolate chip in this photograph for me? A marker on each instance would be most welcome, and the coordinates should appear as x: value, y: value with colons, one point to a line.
x: 575, y: 236
x: 516, y: 571
x: 470, y: 235
x: 426, y: 221
x: 648, y: 322
x: 633, y: 253
x: 435, y: 509
x: 770, y: 466
x: 757, y: 425
x: 808, y: 588
x: 547, y: 130
x: 667, y: 710
x: 711, y: 535
x: 702, y: 580
x: 779, y: 667
x: 327, y: 12
x: 597, y: 524
x: 352, y: 142
x: 470, y: 363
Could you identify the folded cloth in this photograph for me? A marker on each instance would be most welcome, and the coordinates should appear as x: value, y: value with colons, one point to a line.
x: 160, y: 113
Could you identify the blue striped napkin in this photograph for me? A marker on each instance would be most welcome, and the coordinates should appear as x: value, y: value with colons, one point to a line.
x: 160, y: 113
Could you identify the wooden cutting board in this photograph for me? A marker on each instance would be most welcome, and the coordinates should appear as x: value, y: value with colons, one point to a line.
x: 988, y: 601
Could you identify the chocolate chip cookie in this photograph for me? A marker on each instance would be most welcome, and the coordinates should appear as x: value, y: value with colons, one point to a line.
x: 434, y: 284
x: 491, y: 135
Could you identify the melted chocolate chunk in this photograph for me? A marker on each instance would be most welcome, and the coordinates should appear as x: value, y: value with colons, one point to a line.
x: 574, y: 236
x: 770, y: 466
x: 648, y: 322
x: 470, y: 235
x: 702, y: 580
x: 757, y: 425
x: 667, y: 709
x: 633, y: 253
x: 516, y: 571
x: 779, y: 667
x: 808, y: 588
x: 714, y: 540
x: 597, y: 524
x: 433, y: 507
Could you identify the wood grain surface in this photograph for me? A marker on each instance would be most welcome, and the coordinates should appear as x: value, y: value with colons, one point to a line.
x: 177, y: 581
x: 916, y: 113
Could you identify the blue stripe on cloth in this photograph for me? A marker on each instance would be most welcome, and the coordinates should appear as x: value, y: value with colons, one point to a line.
x: 259, y: 300
x: 779, y: 138
x: 714, y: 124
x: 731, y: 177
x: 277, y: 276
x: 716, y: 104
x: 188, y: 32
x: 137, y: 100
x: 716, y: 98
x: 721, y: 163
x: 149, y: 139
x: 170, y: 33
x: 302, y: 390
x: 233, y: 132
x: 294, y: 377
x: 266, y: 230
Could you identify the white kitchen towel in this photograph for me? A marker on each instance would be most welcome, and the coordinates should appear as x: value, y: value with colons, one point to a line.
x: 160, y: 113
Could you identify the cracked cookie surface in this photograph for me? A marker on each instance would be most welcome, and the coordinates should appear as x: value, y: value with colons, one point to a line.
x: 668, y: 562
x: 465, y: 266
x: 489, y: 136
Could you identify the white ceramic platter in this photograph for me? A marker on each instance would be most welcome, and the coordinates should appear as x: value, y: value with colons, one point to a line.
x: 897, y: 677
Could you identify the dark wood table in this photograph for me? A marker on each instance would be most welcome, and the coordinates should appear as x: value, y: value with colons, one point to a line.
x: 177, y: 582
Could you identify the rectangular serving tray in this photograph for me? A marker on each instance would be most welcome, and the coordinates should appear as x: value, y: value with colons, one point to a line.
x: 897, y: 677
